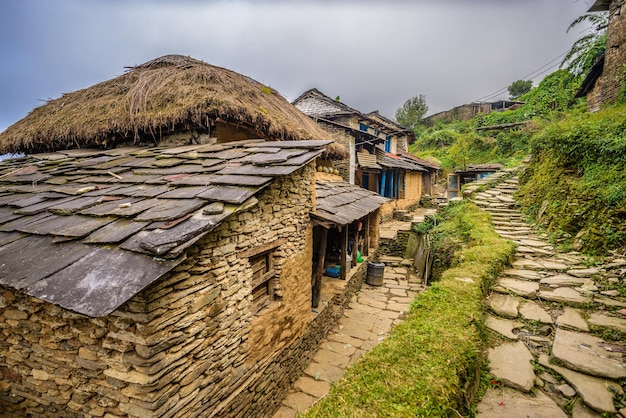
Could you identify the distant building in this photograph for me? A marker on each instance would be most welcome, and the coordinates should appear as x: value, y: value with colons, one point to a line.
x: 378, y: 150
x: 468, y: 111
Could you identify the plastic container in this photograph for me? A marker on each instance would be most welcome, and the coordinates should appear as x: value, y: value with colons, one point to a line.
x: 375, y: 272
x: 332, y: 272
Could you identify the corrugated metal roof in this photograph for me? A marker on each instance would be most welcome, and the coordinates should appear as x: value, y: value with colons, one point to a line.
x: 88, y: 229
x: 341, y: 203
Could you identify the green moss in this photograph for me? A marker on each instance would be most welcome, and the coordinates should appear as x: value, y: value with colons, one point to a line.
x: 575, y: 183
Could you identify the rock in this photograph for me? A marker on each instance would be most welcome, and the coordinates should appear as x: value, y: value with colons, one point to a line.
x: 610, y: 293
x: 547, y: 377
x: 581, y: 411
x: 594, y: 390
x: 522, y: 288
x: 534, y: 312
x: 601, y: 320
x: 564, y: 295
x: 310, y: 386
x: 588, y: 287
x: 299, y: 401
x: 510, y: 362
x: 503, y: 305
x: 534, y: 243
x: 533, y: 250
x: 553, y: 265
x: 503, y: 326
x: 522, y: 274
x: 584, y: 353
x: 610, y: 302
x: 525, y: 263
x: 571, y: 318
x: 566, y: 390
x: 562, y: 280
x: 499, y: 403
x: 583, y: 272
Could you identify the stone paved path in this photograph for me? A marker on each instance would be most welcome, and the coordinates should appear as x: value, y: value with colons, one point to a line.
x: 365, y: 323
x: 561, y: 325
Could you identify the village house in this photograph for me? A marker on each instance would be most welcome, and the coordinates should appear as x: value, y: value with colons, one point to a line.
x: 605, y: 81
x: 378, y: 157
x: 157, y: 246
x: 470, y: 110
x: 469, y: 174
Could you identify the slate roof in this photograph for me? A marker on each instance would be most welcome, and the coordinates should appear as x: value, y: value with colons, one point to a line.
x: 480, y: 168
x: 433, y: 166
x: 316, y: 104
x: 88, y: 229
x: 341, y: 203
x: 398, y: 161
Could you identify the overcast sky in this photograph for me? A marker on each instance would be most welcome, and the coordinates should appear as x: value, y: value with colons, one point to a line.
x: 373, y: 54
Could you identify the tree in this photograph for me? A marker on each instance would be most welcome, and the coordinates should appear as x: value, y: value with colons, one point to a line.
x: 519, y: 88
x: 586, y: 51
x: 412, y: 112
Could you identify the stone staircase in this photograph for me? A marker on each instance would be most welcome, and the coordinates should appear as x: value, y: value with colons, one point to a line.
x: 560, y: 324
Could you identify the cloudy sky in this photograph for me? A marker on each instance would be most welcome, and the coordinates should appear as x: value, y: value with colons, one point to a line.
x: 373, y: 54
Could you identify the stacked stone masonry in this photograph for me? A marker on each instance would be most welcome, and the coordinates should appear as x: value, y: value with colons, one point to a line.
x: 187, y: 346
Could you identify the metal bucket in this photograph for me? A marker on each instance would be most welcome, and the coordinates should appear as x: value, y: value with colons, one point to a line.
x: 375, y: 272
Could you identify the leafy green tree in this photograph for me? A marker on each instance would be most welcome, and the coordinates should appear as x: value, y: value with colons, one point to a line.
x: 586, y: 51
x: 519, y: 88
x: 412, y: 112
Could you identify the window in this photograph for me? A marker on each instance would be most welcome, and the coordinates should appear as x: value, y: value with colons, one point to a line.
x: 388, y: 143
x: 264, y: 275
x: 262, y: 280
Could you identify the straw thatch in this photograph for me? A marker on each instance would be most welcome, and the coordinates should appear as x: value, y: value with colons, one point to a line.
x: 167, y: 95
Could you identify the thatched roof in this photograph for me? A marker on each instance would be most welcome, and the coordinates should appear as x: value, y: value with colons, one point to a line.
x: 166, y: 95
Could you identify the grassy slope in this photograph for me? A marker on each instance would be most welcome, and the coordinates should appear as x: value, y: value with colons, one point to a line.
x: 575, y: 183
x: 429, y: 360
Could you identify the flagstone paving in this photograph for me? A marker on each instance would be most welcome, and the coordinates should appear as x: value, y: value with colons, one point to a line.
x: 561, y: 325
x: 555, y: 316
x: 366, y: 322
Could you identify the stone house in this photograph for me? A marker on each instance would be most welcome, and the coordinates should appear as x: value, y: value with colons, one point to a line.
x: 468, y: 111
x: 155, y: 255
x: 605, y: 81
x: 378, y: 150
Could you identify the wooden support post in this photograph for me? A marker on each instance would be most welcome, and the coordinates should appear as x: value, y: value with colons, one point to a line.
x: 344, y: 251
x: 366, y: 240
x: 319, y: 268
x: 355, y: 245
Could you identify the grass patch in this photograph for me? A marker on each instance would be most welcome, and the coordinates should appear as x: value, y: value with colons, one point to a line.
x: 430, y: 366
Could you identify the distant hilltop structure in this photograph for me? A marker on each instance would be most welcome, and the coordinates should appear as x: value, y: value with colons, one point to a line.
x: 468, y: 111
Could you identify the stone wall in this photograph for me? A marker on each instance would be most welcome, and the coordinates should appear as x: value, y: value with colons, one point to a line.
x: 188, y: 345
x: 387, y: 209
x: 342, y: 137
x: 613, y: 74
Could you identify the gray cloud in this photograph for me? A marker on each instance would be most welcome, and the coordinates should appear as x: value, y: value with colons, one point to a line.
x: 374, y: 54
